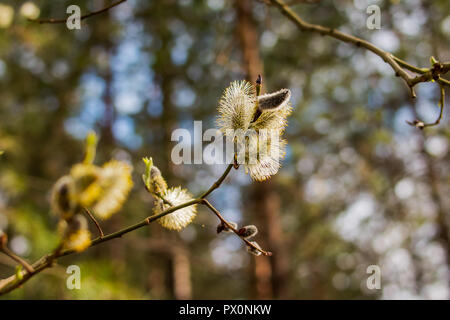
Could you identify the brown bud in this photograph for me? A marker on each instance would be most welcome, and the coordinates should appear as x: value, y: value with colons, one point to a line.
x: 62, y: 198
x: 248, y: 231
x: 416, y: 123
x: 259, y: 79
x: 235, y: 163
x: 253, y: 250
x: 222, y: 227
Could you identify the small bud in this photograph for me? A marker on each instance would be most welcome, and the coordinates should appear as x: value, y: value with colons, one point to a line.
x: 19, y: 275
x: 63, y: 197
x: 153, y: 179
x: 433, y: 60
x: 235, y: 163
x: 148, y: 166
x: 91, y: 146
x: 248, y: 231
x: 253, y: 250
x: 222, y: 227
x: 259, y: 79
x: 258, y: 85
x: 416, y: 123
x: 274, y: 101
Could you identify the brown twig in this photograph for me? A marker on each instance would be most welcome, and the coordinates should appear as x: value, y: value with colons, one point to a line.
x: 16, y: 258
x: 90, y: 14
x: 396, y: 64
x: 218, y: 182
x: 232, y: 228
x: 422, y: 71
x: 420, y: 124
x: 13, y: 282
x: 89, y: 214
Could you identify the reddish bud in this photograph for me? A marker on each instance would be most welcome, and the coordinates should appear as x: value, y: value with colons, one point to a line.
x: 222, y: 227
x: 248, y: 231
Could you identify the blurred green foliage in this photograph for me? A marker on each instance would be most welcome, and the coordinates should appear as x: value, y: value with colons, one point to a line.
x: 358, y: 186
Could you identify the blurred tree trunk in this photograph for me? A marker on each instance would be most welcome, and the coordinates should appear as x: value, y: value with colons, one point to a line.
x: 432, y: 29
x: 270, y: 274
x: 442, y: 220
x: 107, y: 142
x: 165, y: 73
x: 178, y: 264
x: 107, y: 121
x: 181, y: 264
x: 107, y: 139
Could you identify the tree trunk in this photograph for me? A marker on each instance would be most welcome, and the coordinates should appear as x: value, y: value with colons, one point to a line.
x: 269, y: 273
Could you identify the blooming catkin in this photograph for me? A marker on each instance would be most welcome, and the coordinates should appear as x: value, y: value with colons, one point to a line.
x: 115, y: 183
x: 75, y: 234
x: 237, y: 106
x: 63, y: 197
x: 101, y: 189
x: 180, y: 218
x: 256, y: 124
x: 248, y: 232
x: 252, y: 250
x: 157, y: 183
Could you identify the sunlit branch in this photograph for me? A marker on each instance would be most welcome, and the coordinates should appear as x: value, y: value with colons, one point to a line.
x: 218, y: 182
x: 425, y: 74
x: 11, y: 283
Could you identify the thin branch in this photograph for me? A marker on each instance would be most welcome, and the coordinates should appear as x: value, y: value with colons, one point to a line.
x: 16, y: 258
x: 159, y: 196
x: 89, y: 214
x: 141, y: 224
x: 441, y: 106
x: 408, y: 66
x: 11, y: 283
x: 305, y: 26
x: 434, y: 73
x: 395, y: 63
x: 420, y: 124
x: 218, y: 182
x: 162, y: 198
x: 230, y: 226
x: 54, y: 21
x: 415, y: 69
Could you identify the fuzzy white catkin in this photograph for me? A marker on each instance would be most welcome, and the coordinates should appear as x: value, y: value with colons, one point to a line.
x: 254, y: 125
x: 180, y: 218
